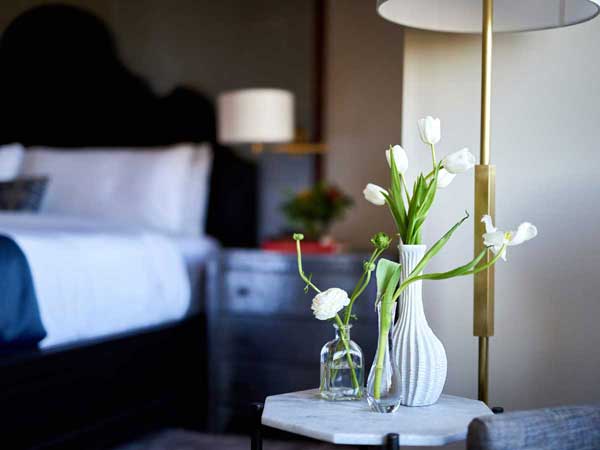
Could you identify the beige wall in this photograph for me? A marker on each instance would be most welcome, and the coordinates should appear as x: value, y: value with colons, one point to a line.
x: 545, y: 135
x: 364, y: 109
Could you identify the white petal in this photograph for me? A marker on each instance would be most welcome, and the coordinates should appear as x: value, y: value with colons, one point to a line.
x: 374, y: 194
x: 494, y: 239
x: 444, y: 178
x: 525, y: 232
x: 435, y: 131
x: 489, y: 226
x: 327, y: 304
x: 459, y: 162
x: 429, y: 130
x: 421, y: 124
x: 400, y: 158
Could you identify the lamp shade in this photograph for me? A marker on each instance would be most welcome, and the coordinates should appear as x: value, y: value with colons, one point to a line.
x: 255, y: 116
x: 464, y: 16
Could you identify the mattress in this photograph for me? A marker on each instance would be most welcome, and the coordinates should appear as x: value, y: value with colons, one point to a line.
x: 96, y: 280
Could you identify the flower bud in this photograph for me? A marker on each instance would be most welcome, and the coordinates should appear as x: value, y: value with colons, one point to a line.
x: 381, y: 241
x: 374, y: 194
x: 430, y: 130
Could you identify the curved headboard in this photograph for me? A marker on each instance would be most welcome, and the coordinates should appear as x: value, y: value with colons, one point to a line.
x: 63, y: 85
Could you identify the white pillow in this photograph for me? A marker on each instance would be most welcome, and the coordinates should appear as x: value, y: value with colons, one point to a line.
x: 11, y: 157
x: 196, y: 204
x: 146, y: 187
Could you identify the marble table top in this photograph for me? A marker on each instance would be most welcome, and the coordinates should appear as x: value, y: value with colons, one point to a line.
x: 353, y: 423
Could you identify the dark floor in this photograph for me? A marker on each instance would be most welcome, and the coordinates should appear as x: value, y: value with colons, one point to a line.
x: 189, y: 440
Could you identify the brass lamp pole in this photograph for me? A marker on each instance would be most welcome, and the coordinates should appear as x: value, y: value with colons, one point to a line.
x: 485, y: 203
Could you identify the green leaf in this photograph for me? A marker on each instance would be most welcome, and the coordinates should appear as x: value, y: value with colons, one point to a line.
x: 435, y: 248
x: 418, y: 192
x: 396, y: 214
x: 388, y: 276
x: 467, y: 269
x: 395, y: 199
x: 385, y: 272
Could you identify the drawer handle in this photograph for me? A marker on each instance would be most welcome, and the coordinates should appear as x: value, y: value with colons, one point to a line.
x: 243, y: 291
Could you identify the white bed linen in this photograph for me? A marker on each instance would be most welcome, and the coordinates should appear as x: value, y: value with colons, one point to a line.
x: 94, y: 280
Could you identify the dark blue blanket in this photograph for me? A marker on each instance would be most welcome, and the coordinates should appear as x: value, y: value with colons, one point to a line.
x: 20, y: 322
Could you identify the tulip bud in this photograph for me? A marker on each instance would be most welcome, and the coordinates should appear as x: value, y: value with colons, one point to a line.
x: 374, y: 194
x: 430, y: 130
x: 459, y: 162
x: 400, y: 158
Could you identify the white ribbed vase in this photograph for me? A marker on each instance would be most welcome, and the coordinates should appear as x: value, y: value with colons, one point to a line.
x: 420, y: 355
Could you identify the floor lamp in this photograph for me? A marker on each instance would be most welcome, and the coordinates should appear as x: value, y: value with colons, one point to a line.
x: 482, y: 16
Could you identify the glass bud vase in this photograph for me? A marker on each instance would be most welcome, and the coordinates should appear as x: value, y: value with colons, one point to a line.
x: 384, y: 394
x: 342, y: 368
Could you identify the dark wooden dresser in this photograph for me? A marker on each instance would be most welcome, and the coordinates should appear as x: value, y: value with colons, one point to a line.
x: 262, y: 336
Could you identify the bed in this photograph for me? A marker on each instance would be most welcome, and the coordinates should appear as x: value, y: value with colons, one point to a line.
x: 102, y: 334
x: 74, y: 377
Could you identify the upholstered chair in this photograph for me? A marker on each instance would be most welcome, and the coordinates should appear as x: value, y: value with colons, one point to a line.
x: 561, y: 428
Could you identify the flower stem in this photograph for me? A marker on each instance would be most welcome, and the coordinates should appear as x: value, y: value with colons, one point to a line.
x: 304, y: 277
x: 433, y: 156
x: 362, y: 284
x: 405, y: 188
x: 384, y: 329
x: 344, y: 338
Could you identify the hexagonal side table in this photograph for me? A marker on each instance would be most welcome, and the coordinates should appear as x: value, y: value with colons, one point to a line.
x: 306, y: 414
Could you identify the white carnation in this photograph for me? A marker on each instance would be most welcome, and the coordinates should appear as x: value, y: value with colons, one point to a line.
x: 328, y: 303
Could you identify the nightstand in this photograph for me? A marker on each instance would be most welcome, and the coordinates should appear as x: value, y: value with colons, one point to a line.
x: 262, y: 337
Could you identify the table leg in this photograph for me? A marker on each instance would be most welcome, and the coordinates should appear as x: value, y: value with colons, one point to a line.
x: 256, y: 433
x: 392, y: 442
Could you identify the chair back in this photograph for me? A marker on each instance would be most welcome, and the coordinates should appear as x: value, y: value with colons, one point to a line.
x: 561, y: 428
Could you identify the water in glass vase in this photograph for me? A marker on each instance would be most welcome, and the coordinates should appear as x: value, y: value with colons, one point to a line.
x: 384, y: 391
x: 342, y: 371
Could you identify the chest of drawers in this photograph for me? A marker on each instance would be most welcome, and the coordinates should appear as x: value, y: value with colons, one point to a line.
x: 262, y: 336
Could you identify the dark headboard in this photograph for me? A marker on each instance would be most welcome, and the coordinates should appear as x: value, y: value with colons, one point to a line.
x: 62, y: 84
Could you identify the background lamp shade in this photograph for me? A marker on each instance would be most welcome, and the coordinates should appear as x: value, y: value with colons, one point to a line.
x: 255, y: 116
x: 464, y: 16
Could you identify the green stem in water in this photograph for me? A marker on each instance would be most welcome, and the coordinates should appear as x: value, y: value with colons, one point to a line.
x: 344, y: 338
x: 382, y: 343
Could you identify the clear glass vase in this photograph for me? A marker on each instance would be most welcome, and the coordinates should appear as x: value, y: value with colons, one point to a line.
x: 384, y: 391
x: 342, y: 368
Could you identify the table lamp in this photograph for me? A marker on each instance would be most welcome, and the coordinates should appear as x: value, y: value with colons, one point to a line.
x: 255, y: 116
x: 481, y: 16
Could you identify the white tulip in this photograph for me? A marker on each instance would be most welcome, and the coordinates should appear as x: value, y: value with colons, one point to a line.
x: 430, y: 130
x: 374, y: 194
x: 328, y: 303
x: 496, y: 239
x: 459, y: 162
x: 400, y: 158
x: 444, y: 178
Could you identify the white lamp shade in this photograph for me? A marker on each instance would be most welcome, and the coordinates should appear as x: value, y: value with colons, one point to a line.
x: 464, y: 16
x: 254, y: 116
